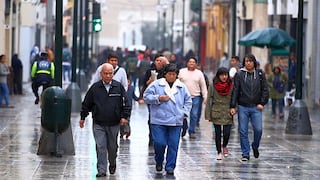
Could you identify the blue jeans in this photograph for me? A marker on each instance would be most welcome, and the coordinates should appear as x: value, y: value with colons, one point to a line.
x: 274, y: 105
x: 194, y: 113
x: 199, y: 111
x: 4, y: 92
x: 66, y: 69
x: 166, y: 136
x: 246, y: 114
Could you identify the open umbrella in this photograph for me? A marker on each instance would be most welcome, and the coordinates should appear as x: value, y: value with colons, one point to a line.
x: 269, y: 37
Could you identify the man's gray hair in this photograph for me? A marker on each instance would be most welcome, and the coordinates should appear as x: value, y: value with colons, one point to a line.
x: 106, y: 64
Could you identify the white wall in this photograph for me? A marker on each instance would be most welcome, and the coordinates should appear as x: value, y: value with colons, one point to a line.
x: 113, y: 28
x: 27, y: 36
x: 26, y: 44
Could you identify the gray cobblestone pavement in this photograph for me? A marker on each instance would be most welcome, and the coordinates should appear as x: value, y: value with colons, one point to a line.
x: 282, y: 156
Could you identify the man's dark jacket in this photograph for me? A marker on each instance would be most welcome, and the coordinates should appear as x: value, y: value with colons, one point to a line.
x: 107, y: 107
x: 147, y: 77
x: 249, y: 89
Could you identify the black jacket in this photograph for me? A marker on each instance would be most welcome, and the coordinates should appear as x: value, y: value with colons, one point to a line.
x: 107, y: 107
x: 249, y: 89
x: 147, y: 77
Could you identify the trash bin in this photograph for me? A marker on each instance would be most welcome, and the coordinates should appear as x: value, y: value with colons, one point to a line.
x: 55, y: 110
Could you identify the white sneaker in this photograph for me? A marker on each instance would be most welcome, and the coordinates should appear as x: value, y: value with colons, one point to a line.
x: 219, y: 156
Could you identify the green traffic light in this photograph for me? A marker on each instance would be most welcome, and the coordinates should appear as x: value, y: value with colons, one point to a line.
x: 96, y: 20
x: 97, y: 26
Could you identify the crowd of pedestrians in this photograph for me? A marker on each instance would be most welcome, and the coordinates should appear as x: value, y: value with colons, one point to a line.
x: 175, y: 92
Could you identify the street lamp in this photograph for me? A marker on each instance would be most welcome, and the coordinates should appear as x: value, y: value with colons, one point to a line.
x: 163, y: 6
x: 164, y: 14
x: 183, y: 12
x: 172, y: 24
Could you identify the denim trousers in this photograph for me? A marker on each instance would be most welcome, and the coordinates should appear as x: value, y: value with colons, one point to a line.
x: 66, y: 69
x: 106, y: 138
x: 274, y: 105
x: 195, y: 113
x: 252, y: 114
x: 200, y: 111
x: 166, y: 137
x: 4, y: 92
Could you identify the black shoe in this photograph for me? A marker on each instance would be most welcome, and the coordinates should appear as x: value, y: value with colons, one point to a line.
x: 159, y: 167
x: 184, y: 132
x: 112, y: 169
x: 36, y: 101
x: 255, y: 152
x: 170, y: 173
x: 245, y: 158
x: 150, y: 143
x: 101, y: 175
x: 281, y: 116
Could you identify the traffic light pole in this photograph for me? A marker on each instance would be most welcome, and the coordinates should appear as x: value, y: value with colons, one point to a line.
x: 73, y: 90
x: 58, y: 45
x: 82, y: 81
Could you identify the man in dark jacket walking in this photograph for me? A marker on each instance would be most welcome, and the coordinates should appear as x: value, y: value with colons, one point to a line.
x: 250, y: 92
x: 108, y: 102
x: 155, y: 72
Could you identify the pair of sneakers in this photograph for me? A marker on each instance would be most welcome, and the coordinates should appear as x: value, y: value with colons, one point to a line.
x: 224, y: 153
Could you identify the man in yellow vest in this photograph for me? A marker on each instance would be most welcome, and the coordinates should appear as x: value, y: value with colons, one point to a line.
x: 42, y: 74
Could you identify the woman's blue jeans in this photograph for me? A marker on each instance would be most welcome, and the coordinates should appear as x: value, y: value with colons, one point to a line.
x: 4, y: 92
x: 252, y: 114
x: 166, y: 137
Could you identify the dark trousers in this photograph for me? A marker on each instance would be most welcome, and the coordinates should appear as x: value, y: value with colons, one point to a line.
x: 17, y: 83
x: 226, y: 136
x: 43, y: 80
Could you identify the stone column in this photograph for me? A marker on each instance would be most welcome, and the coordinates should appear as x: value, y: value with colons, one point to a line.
x: 260, y: 21
x: 312, y: 63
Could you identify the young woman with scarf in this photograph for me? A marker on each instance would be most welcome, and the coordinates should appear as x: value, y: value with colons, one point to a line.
x: 217, y: 109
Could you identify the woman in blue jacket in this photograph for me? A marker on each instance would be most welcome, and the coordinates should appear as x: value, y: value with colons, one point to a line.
x: 169, y: 102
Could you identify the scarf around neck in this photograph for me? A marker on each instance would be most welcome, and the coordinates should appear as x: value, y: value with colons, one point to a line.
x: 223, y: 88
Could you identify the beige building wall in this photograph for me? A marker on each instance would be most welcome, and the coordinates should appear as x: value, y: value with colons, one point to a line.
x: 2, y: 27
x: 7, y: 36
